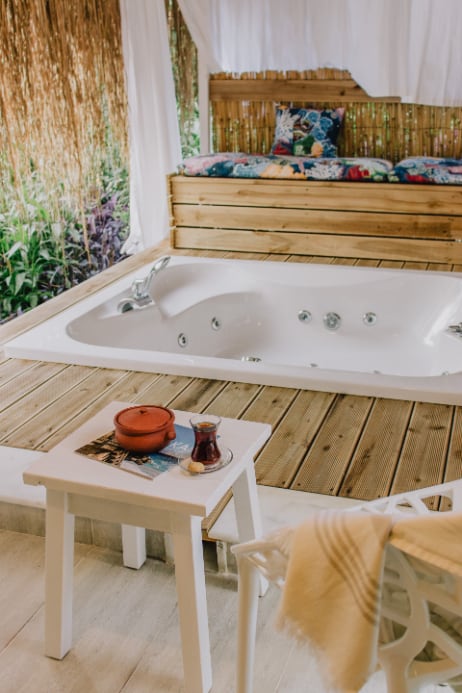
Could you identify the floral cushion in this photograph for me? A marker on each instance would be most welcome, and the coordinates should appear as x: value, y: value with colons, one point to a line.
x: 428, y: 169
x: 239, y: 165
x: 307, y: 131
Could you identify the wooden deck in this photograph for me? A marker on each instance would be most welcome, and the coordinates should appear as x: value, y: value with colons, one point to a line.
x: 344, y: 445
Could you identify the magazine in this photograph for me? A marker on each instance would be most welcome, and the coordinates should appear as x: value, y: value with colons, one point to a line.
x: 107, y: 450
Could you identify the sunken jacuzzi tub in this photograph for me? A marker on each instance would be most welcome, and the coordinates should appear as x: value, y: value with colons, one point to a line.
x: 366, y: 331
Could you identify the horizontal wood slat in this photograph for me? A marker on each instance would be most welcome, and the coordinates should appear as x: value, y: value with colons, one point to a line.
x: 362, y: 197
x: 341, y: 90
x: 319, y: 221
x: 301, y: 243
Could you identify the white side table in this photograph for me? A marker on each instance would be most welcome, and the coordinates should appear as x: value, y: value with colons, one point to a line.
x: 173, y: 502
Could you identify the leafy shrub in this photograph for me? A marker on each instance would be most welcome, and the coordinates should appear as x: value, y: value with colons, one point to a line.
x: 44, y: 251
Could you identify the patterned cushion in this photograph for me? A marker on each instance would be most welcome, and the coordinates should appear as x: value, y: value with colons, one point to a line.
x: 307, y: 131
x: 428, y: 169
x: 239, y: 165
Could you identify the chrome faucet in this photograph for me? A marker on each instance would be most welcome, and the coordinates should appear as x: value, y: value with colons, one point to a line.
x: 455, y: 329
x: 140, y: 289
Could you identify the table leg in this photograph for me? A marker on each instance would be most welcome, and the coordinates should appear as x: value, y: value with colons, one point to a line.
x: 192, y: 603
x: 247, y: 509
x: 133, y: 546
x: 59, y: 568
x: 247, y: 506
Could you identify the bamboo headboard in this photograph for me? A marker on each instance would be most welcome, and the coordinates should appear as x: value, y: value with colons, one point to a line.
x: 243, y: 115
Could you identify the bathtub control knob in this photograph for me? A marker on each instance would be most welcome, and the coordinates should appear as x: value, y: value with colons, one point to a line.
x: 182, y: 340
x: 332, y: 321
x: 304, y: 315
x: 369, y: 318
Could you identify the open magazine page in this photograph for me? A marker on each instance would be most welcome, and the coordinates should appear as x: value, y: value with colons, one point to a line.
x: 106, y: 449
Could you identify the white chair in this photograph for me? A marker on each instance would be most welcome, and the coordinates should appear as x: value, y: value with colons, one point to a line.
x: 421, y: 607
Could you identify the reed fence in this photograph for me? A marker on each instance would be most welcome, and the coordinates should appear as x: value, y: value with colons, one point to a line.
x: 243, y: 115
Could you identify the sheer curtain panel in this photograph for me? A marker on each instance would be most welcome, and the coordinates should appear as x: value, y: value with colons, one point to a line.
x: 153, y: 125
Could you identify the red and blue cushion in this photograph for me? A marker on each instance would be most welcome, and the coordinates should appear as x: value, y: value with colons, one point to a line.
x: 241, y: 165
x: 428, y: 169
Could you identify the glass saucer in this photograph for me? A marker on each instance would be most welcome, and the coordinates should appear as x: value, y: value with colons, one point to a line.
x: 226, y: 457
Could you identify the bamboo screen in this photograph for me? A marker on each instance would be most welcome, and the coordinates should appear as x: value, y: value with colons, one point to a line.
x: 184, y: 66
x: 62, y: 89
x: 372, y: 127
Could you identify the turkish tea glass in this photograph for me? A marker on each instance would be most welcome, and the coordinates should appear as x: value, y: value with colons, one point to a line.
x: 205, y: 448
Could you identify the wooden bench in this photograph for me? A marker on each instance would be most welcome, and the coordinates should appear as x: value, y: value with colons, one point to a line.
x: 396, y: 221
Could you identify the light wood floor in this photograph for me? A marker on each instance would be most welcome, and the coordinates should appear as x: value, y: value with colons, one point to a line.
x: 126, y: 631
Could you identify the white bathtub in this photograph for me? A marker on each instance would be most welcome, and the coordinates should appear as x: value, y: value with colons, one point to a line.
x: 213, y: 318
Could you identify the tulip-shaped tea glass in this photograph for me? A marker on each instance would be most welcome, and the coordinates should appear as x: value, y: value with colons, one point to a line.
x: 205, y: 438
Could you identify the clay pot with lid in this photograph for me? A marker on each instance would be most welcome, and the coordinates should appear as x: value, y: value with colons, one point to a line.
x: 144, y: 429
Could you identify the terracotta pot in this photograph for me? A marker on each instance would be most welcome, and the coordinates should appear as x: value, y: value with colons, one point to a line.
x: 144, y: 429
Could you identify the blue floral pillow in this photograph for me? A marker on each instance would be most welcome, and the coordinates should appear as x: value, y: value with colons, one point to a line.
x: 307, y: 131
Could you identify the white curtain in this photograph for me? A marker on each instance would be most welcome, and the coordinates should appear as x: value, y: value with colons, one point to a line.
x: 153, y: 125
x: 406, y: 48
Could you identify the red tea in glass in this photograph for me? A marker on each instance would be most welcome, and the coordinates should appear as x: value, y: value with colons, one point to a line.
x: 205, y: 439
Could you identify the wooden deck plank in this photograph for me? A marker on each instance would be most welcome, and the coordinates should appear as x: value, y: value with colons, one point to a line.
x: 42, y: 415
x: 28, y: 401
x: 454, y: 459
x: 423, y: 458
x: 415, y: 265
x: 197, y: 395
x: 391, y: 264
x: 374, y: 462
x: 310, y: 259
x: 234, y: 399
x: 280, y: 460
x: 12, y: 368
x: 439, y: 267
x: 366, y: 262
x: 328, y: 458
x: 19, y: 376
x: 164, y: 389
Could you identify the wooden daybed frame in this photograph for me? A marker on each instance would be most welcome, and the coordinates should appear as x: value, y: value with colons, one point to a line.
x: 397, y: 221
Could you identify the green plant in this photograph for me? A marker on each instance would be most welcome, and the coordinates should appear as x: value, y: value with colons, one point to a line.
x: 46, y: 248
x: 28, y: 248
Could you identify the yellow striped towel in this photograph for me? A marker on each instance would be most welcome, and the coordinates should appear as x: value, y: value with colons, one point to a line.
x: 331, y: 596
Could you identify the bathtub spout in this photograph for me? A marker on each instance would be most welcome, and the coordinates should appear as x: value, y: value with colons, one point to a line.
x: 455, y: 329
x: 127, y: 304
x: 140, y: 291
